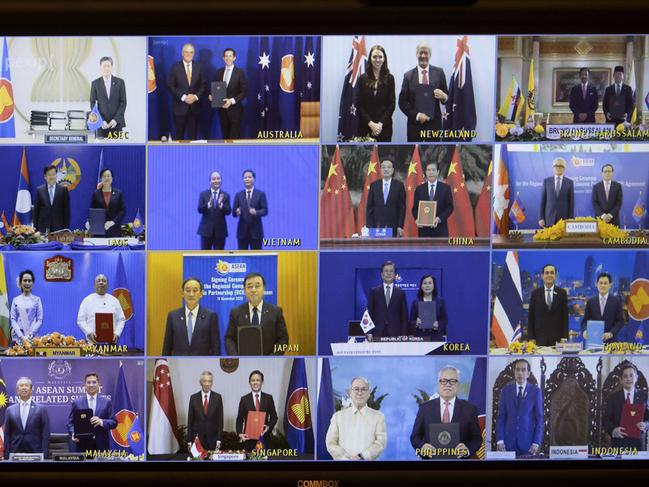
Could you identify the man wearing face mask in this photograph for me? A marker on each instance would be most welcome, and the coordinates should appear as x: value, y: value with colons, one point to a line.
x: 618, y: 99
x: 434, y: 190
x: 419, y: 83
x: 557, y: 196
x: 258, y: 401
x: 213, y: 205
x: 231, y: 113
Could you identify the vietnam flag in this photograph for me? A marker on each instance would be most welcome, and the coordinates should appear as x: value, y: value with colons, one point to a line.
x: 336, y: 210
x: 414, y: 178
x: 483, y: 208
x: 461, y: 222
x: 373, y: 174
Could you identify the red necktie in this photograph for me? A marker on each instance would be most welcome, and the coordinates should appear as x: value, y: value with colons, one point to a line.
x: 446, y: 417
x: 425, y: 77
x: 205, y: 404
x: 257, y: 402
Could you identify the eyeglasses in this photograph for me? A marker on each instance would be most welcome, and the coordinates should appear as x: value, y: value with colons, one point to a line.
x: 358, y: 390
x: 448, y: 382
x: 557, y: 165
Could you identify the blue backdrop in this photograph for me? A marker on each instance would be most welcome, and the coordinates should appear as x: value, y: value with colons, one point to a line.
x: 126, y: 163
x: 346, y: 279
x: 283, y: 108
x: 57, y: 383
x: 61, y: 300
x: 527, y: 170
x: 222, y: 278
x: 287, y: 174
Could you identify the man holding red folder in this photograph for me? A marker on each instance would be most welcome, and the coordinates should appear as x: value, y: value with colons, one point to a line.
x: 257, y: 411
x: 627, y: 416
x: 100, y: 302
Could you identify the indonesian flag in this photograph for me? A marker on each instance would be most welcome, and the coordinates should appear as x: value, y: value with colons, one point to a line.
x: 197, y: 449
x: 163, y: 423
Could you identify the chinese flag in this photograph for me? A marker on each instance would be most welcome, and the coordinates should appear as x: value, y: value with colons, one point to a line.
x: 373, y: 174
x: 414, y: 178
x: 336, y: 210
x: 483, y: 208
x: 460, y: 223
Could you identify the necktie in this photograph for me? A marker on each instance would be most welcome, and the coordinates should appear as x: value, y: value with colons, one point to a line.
x: 257, y: 402
x: 617, y: 89
x: 607, y: 188
x: 190, y: 327
x: 51, y: 191
x: 205, y: 404
x: 248, y: 196
x: 213, y: 199
x: 91, y: 404
x: 228, y: 75
x: 446, y: 417
x: 388, y: 294
x: 520, y: 393
x: 107, y: 85
x: 386, y: 190
x: 583, y: 90
x: 557, y: 186
x: 255, y: 317
x: 628, y: 398
x: 24, y: 412
x: 431, y: 194
x: 548, y: 297
x: 188, y: 73
x: 424, y: 79
x: 602, y: 305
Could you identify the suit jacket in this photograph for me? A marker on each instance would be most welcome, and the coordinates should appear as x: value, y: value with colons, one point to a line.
x: 392, y: 320
x: 613, y: 314
x: 103, y: 410
x: 250, y: 226
x: 377, y: 107
x: 112, y: 108
x: 408, y: 96
x: 114, y: 212
x: 54, y: 216
x: 34, y: 438
x: 391, y: 214
x: 464, y: 413
x: 520, y: 422
x: 178, y: 86
x: 611, y: 205
x: 208, y: 427
x: 548, y: 326
x: 609, y: 94
x: 205, y: 336
x: 554, y: 208
x: 579, y: 104
x: 266, y: 404
x: 213, y: 222
x: 237, y: 87
x: 613, y: 414
x: 273, y: 328
x: 444, y: 199
x: 442, y: 318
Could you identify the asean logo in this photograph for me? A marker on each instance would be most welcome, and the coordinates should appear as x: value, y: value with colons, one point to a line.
x: 135, y: 436
x: 222, y: 267
x: 299, y: 409
x: 123, y: 295
x: 137, y: 223
x: 92, y: 118
x: 287, y: 77
x: 68, y: 172
x: 638, y: 305
x: 125, y: 419
x: 6, y: 100
x: 638, y: 211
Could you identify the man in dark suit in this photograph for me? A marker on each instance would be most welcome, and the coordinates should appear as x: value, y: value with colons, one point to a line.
x: 387, y: 306
x: 583, y: 99
x: 557, y: 196
x: 213, y: 205
x: 109, y: 92
x: 434, y: 190
x: 27, y: 425
x: 192, y: 330
x: 447, y: 408
x: 187, y: 85
x: 250, y: 205
x: 256, y: 401
x: 102, y: 419
x: 618, y: 102
x: 231, y: 113
x: 424, y: 81
x: 547, y: 321
x: 51, y: 204
x: 613, y: 413
x: 256, y: 312
x: 520, y: 414
x: 607, y: 197
x: 386, y: 202
x: 604, y: 307
x: 205, y: 415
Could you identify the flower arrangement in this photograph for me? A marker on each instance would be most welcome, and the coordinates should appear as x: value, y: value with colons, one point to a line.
x: 22, y: 235
x: 522, y: 348
x: 508, y: 131
x: 55, y: 339
x: 128, y: 231
x: 557, y: 231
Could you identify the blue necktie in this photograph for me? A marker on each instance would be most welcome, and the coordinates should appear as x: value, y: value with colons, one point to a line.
x: 386, y: 190
x: 255, y: 317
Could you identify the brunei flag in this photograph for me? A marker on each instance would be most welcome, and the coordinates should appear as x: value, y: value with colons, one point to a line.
x: 513, y: 103
x: 7, y: 107
x: 530, y: 103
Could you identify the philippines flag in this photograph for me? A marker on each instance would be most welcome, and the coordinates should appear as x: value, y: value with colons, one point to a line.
x: 23, y: 211
x: 297, y: 419
x: 508, y: 306
x: 163, y: 421
x: 461, y: 101
x: 326, y: 407
x: 347, y: 119
x: 7, y: 107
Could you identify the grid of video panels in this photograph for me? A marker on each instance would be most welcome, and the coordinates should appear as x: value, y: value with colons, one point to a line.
x: 324, y: 248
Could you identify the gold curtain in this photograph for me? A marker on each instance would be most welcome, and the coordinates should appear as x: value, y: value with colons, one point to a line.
x: 61, y: 79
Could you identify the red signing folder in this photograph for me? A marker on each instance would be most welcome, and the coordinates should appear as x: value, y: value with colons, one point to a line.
x: 255, y: 424
x: 632, y: 414
x: 104, y: 327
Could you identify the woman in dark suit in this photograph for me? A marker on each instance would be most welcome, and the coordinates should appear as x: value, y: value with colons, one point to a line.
x: 112, y: 201
x: 376, y: 99
x: 428, y: 292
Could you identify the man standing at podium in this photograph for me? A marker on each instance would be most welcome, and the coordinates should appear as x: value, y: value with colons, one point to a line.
x: 27, y: 425
x: 547, y: 321
x: 256, y: 401
x: 205, y: 415
x: 583, y: 99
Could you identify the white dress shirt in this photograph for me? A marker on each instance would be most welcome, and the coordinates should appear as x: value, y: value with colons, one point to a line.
x: 94, y: 303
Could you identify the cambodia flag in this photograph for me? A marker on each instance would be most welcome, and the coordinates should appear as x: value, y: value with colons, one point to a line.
x: 347, y: 119
x: 7, y: 107
x: 297, y: 419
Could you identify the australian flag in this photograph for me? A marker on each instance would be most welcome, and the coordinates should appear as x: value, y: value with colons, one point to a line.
x: 460, y: 105
x: 7, y: 122
x: 310, y: 69
x: 264, y: 95
x: 347, y: 119
x: 287, y: 99
x: 297, y: 419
